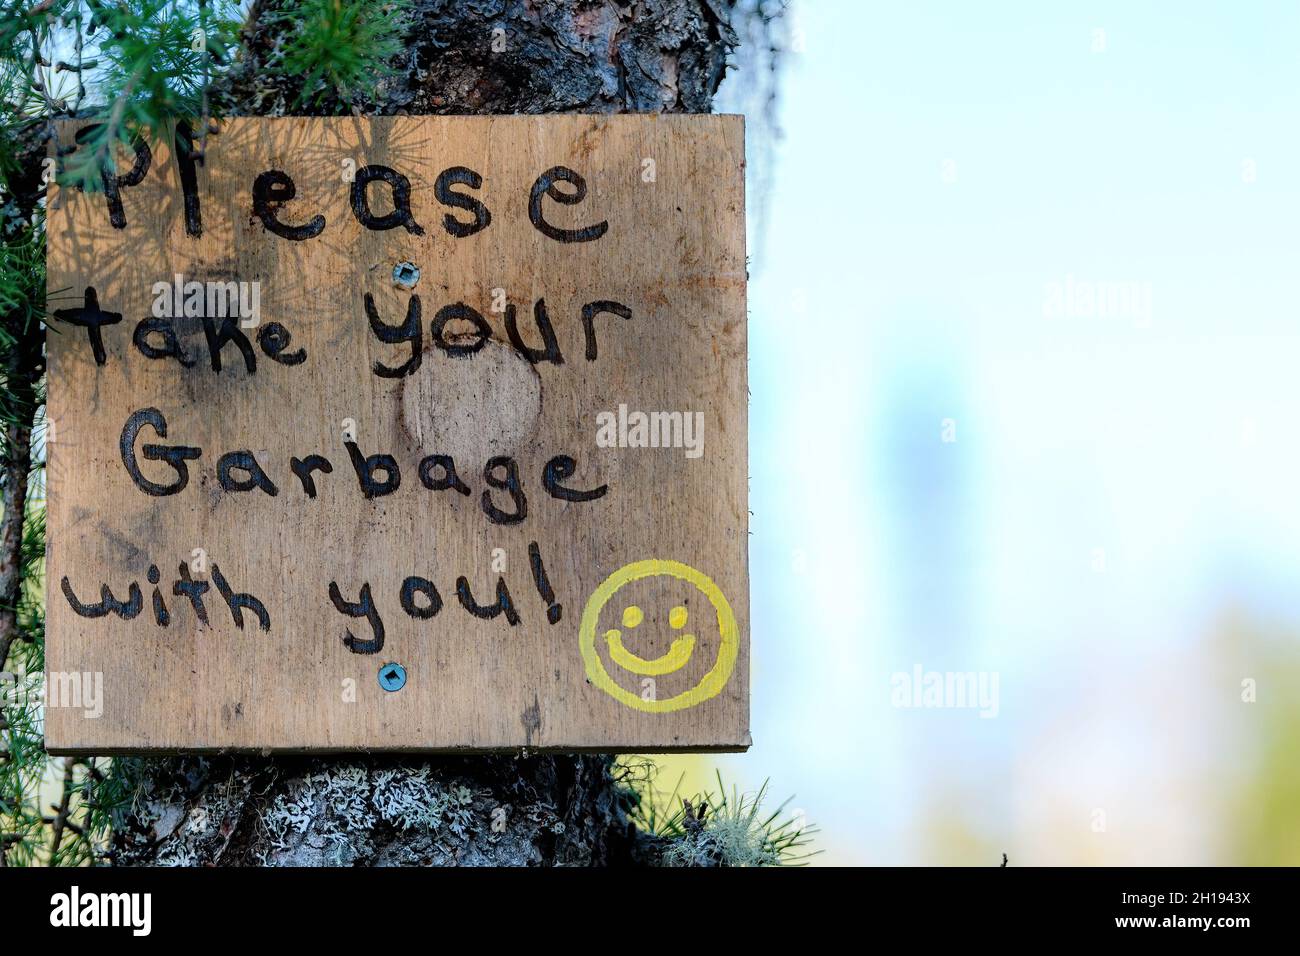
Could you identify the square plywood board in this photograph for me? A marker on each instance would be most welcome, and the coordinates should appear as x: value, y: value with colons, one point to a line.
x: 579, y: 583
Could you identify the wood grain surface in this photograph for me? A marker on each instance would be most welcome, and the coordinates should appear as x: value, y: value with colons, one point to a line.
x: 663, y: 667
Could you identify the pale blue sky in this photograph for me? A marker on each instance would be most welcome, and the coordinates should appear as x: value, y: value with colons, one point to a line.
x: 1118, y: 484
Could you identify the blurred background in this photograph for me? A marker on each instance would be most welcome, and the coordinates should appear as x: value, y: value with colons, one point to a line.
x: 1023, y: 325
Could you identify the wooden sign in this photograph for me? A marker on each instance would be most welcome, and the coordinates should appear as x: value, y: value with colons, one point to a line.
x: 421, y: 433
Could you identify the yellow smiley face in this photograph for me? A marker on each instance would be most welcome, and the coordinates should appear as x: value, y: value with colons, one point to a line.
x: 615, y: 640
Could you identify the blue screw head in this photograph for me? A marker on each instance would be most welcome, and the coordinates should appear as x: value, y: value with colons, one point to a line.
x: 392, y: 677
x: 406, y: 275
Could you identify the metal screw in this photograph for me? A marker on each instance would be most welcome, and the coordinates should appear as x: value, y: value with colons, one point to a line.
x: 392, y: 677
x: 406, y: 275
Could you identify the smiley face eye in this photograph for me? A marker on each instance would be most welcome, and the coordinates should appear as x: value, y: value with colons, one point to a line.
x: 632, y: 616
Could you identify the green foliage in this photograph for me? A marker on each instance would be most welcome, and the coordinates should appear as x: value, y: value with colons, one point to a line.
x: 20, y: 103
x: 22, y: 277
x: 22, y: 772
x: 715, y: 828
x: 153, y: 62
x: 341, y: 49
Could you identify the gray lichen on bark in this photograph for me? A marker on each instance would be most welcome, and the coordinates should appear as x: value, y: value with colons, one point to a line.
x: 552, y: 56
x: 375, y: 811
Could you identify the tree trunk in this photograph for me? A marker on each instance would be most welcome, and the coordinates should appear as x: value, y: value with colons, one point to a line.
x: 461, y: 56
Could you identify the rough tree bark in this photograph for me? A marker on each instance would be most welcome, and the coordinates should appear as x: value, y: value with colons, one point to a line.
x: 559, y: 56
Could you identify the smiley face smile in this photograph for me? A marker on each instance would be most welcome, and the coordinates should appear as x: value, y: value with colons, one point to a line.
x: 678, y: 654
